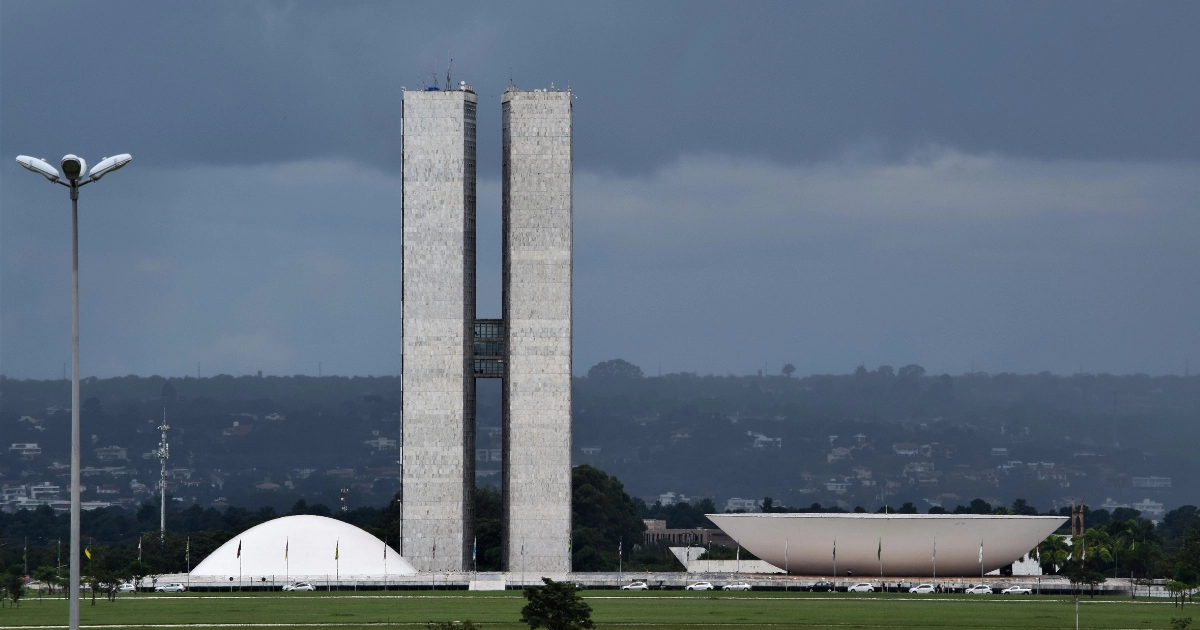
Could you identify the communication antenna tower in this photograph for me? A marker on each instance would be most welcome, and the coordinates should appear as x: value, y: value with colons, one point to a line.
x: 345, y: 491
x: 163, y: 454
x: 448, y: 66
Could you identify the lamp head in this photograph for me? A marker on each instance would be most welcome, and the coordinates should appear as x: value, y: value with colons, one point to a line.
x: 41, y: 167
x: 73, y: 167
x: 108, y: 165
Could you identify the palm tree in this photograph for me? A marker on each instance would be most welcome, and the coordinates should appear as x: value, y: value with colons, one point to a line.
x: 1053, y: 553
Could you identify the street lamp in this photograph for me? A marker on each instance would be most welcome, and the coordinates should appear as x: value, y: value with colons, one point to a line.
x: 73, y: 169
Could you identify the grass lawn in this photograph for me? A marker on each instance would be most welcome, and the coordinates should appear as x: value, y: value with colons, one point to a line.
x: 661, y: 610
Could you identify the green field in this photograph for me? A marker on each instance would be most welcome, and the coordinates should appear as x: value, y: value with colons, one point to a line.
x: 661, y: 610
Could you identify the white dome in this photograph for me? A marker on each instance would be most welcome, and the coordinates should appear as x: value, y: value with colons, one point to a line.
x: 310, y: 543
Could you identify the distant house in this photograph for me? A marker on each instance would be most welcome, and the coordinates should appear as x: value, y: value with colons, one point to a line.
x: 837, y: 486
x: 341, y: 473
x: 267, y: 484
x: 837, y: 454
x: 999, y: 452
x: 1149, y: 509
x: 237, y: 429
x: 108, y: 488
x: 1151, y: 482
x: 488, y: 455
x: 381, y: 443
x: 44, y: 490
x: 275, y: 417
x: 590, y: 450
x: 670, y: 498
x: 12, y: 493
x: 762, y: 441
x: 110, y: 453
x: 745, y: 505
x: 27, y: 450
x: 906, y: 449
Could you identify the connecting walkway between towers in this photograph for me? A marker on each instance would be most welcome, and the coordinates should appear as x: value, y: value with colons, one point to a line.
x: 489, y: 348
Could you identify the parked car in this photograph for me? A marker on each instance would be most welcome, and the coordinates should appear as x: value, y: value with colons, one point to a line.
x: 1017, y: 590
x: 699, y: 586
x: 127, y: 587
x: 922, y: 588
x: 981, y: 589
x: 636, y: 586
x: 861, y: 587
x: 821, y: 586
x: 736, y: 586
x: 170, y: 587
x: 299, y: 586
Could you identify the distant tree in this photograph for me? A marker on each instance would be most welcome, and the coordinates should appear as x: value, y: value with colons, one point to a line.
x: 14, y: 585
x: 911, y: 372
x: 907, y: 508
x: 168, y: 391
x: 604, y: 517
x: 937, y: 509
x: 788, y: 370
x: 556, y: 606
x: 615, y: 368
x: 1126, y: 514
x: 1022, y: 507
x: 978, y: 506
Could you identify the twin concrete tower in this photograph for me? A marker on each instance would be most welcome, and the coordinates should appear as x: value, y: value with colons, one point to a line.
x: 446, y: 347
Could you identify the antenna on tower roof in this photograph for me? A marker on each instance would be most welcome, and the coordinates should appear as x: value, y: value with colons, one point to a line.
x: 448, y: 66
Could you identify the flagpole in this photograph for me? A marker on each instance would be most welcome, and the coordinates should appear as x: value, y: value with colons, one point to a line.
x: 786, y: 573
x: 935, y: 560
x: 835, y: 564
x: 187, y: 554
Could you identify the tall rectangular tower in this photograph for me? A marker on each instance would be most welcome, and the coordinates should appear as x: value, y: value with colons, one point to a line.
x: 536, y: 205
x: 438, y: 381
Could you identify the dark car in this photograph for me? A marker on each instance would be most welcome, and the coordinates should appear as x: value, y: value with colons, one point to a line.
x: 822, y: 586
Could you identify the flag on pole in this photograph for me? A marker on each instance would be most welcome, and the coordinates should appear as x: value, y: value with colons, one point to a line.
x: 435, y: 550
x: 87, y: 551
x: 187, y: 550
x: 337, y: 549
x: 286, y: 543
x: 879, y: 550
x: 239, y: 553
x: 385, y: 548
x: 835, y: 549
x: 935, y: 550
x: 139, y: 549
x: 981, y: 551
x: 474, y: 546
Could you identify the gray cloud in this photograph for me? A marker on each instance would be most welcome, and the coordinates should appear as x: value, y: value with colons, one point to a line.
x: 821, y: 183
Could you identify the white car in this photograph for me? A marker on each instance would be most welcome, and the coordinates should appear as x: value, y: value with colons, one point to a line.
x: 861, y: 587
x: 922, y: 588
x: 636, y: 586
x: 699, y: 586
x: 982, y: 589
x: 1017, y: 590
x: 299, y: 586
x: 736, y: 586
x: 170, y: 587
x: 127, y: 587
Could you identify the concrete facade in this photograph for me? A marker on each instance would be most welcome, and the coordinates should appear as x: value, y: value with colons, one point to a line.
x: 438, y: 380
x: 537, y: 173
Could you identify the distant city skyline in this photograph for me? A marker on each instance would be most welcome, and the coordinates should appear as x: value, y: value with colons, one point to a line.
x: 1010, y: 185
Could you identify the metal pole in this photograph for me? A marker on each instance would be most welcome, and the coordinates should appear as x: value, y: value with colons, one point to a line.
x: 73, y: 607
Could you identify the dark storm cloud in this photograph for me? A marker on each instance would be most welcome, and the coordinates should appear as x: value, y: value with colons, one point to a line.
x: 221, y: 83
x: 820, y: 183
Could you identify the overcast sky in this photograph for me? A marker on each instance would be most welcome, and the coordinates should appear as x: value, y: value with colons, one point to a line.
x: 1010, y: 185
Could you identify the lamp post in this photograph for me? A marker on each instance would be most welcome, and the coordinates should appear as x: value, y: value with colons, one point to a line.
x: 74, y: 169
